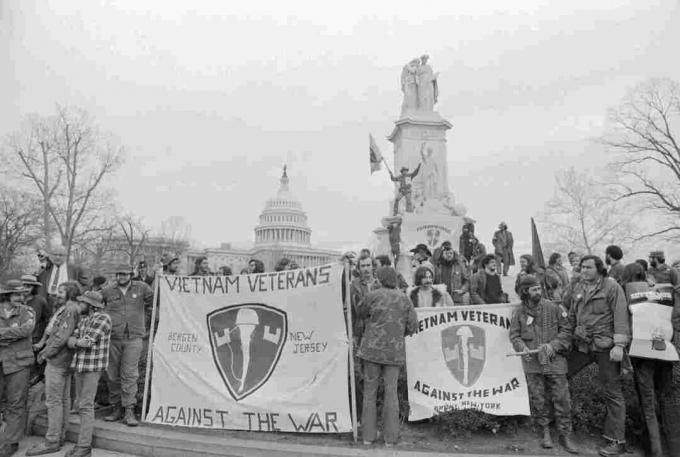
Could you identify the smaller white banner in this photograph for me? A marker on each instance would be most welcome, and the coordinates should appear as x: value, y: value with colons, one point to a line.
x: 458, y: 360
x: 431, y: 230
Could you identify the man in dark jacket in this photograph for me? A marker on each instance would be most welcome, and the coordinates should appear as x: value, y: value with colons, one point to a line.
x: 659, y: 271
x: 612, y: 257
x: 142, y: 273
x: 503, y: 244
x: 58, y: 273
x: 540, y: 325
x: 600, y: 325
x: 16, y: 327
x: 127, y: 303
x: 485, y: 285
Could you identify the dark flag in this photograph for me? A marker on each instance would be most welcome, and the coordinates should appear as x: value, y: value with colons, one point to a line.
x: 376, y: 157
x: 536, y: 251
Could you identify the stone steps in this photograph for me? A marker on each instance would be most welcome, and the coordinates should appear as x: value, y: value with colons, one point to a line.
x: 154, y: 441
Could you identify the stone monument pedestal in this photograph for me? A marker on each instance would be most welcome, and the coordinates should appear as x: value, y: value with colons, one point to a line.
x: 420, y: 173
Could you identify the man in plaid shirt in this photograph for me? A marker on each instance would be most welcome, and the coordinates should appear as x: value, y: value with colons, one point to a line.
x: 91, y: 340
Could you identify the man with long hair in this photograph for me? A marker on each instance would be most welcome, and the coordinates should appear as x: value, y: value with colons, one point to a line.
x: 54, y: 350
x: 600, y: 325
x: 453, y: 273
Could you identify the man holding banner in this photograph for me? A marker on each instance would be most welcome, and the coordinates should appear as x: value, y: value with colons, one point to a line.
x: 539, y: 329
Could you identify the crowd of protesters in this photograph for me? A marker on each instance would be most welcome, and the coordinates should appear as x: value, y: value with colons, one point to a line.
x: 570, y: 317
x: 62, y: 326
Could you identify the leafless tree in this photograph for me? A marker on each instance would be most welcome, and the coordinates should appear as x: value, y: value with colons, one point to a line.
x: 66, y: 157
x: 19, y: 224
x: 581, y: 216
x: 645, y: 138
x: 134, y: 235
x: 175, y: 234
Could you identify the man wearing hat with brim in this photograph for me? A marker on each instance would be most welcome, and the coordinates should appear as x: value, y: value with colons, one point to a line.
x: 16, y: 357
x: 421, y: 253
x: 127, y: 302
x: 38, y: 303
x: 91, y: 340
x: 404, y: 191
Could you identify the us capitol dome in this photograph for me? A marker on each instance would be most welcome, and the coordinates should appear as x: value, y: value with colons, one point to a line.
x: 282, y: 231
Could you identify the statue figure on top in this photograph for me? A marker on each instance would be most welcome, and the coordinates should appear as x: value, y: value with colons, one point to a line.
x: 419, y: 85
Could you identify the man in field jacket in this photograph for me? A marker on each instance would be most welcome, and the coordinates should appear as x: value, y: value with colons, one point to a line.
x: 600, y: 324
x: 127, y: 303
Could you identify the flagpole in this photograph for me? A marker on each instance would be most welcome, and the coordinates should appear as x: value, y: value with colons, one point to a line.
x: 352, y: 381
x: 149, y: 354
x: 387, y: 166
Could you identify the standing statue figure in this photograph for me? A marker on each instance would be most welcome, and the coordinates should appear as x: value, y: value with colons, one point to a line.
x: 409, y: 86
x: 428, y: 90
x: 430, y: 174
x: 404, y: 191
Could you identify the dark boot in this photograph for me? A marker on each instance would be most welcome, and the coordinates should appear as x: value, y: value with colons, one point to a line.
x: 116, y: 414
x: 8, y: 450
x: 130, y: 420
x: 612, y: 449
x: 547, y: 441
x: 44, y: 447
x: 568, y: 443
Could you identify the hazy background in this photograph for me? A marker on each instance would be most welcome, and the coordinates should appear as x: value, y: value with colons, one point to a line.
x: 212, y: 98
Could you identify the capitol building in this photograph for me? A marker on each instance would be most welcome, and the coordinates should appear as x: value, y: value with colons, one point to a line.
x: 282, y: 231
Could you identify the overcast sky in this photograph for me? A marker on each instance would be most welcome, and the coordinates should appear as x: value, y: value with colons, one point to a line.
x: 211, y: 98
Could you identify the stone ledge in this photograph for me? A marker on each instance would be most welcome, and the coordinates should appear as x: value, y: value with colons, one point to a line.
x: 153, y: 441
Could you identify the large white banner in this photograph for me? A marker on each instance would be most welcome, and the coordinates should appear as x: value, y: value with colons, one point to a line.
x: 431, y: 230
x: 458, y: 360
x: 262, y: 352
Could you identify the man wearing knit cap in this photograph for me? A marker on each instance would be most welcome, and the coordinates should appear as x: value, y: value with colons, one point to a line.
x: 541, y: 325
x: 16, y: 328
x: 599, y: 324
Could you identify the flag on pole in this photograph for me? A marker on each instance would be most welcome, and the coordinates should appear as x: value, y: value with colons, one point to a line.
x: 536, y: 251
x: 375, y: 155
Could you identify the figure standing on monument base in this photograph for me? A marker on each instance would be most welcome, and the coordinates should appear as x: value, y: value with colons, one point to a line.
x: 405, y: 180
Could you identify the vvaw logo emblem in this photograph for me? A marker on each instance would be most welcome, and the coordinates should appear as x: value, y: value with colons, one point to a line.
x: 246, y: 342
x: 433, y: 237
x: 464, y: 349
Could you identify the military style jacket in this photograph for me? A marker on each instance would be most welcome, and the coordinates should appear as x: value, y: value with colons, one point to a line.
x: 128, y: 311
x: 545, y: 323
x: 16, y: 329
x: 389, y: 316
x: 598, y: 318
